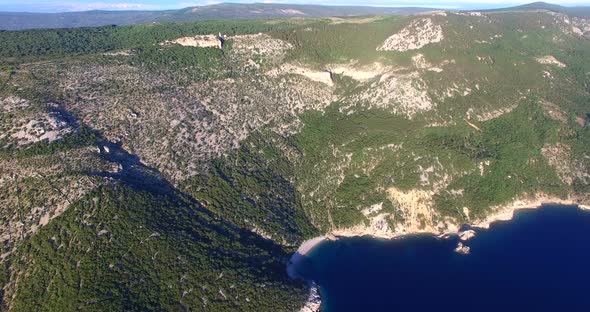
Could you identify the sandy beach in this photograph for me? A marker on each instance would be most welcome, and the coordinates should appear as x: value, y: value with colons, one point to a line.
x: 314, y: 300
x: 300, y: 254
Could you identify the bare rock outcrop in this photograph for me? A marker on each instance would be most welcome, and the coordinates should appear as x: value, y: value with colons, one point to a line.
x: 416, y: 35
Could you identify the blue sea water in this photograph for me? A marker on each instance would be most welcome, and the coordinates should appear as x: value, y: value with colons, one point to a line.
x: 539, y: 261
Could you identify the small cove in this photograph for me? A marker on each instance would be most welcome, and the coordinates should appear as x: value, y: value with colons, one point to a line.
x: 538, y: 261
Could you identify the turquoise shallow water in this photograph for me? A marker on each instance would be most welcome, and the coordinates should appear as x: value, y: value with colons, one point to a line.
x: 539, y: 261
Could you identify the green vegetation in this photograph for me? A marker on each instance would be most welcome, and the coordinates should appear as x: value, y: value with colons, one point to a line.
x: 34, y: 44
x: 226, y: 164
x: 84, y: 137
x: 324, y: 43
x: 191, y: 63
x: 227, y: 11
x: 252, y: 187
x: 121, y: 248
x: 5, y: 73
x: 512, y: 145
x: 325, y: 142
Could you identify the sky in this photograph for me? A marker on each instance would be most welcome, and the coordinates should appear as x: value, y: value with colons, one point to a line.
x: 83, y: 5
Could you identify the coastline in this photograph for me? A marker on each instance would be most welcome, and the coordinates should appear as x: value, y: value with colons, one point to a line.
x: 314, y: 300
x: 499, y: 213
x: 300, y: 254
x: 506, y: 213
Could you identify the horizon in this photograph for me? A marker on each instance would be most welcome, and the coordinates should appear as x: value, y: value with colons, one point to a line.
x: 51, y: 6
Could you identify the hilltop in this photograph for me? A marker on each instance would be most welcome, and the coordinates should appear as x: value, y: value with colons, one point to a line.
x: 577, y: 11
x: 17, y: 20
x: 23, y: 20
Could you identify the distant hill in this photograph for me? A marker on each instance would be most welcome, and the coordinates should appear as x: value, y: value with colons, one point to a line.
x: 578, y: 11
x: 19, y: 21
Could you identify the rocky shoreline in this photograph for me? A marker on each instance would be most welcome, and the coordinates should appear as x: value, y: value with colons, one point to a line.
x: 500, y: 213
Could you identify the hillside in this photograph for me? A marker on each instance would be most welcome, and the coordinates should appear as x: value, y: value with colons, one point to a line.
x: 153, y: 167
x: 18, y: 21
x: 231, y: 11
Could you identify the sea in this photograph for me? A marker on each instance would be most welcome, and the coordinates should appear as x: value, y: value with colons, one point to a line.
x: 538, y: 261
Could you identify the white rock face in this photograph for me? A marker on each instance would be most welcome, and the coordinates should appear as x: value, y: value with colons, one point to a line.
x: 315, y: 75
x: 43, y: 126
x: 373, y: 208
x: 13, y: 103
x: 360, y: 73
x: 416, y: 35
x: 472, y: 13
x: 291, y: 12
x: 462, y: 249
x: 259, y: 46
x: 467, y: 235
x: 403, y: 94
x: 415, y: 205
x: 314, y: 301
x: 550, y: 60
x: 420, y: 62
x: 196, y: 41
